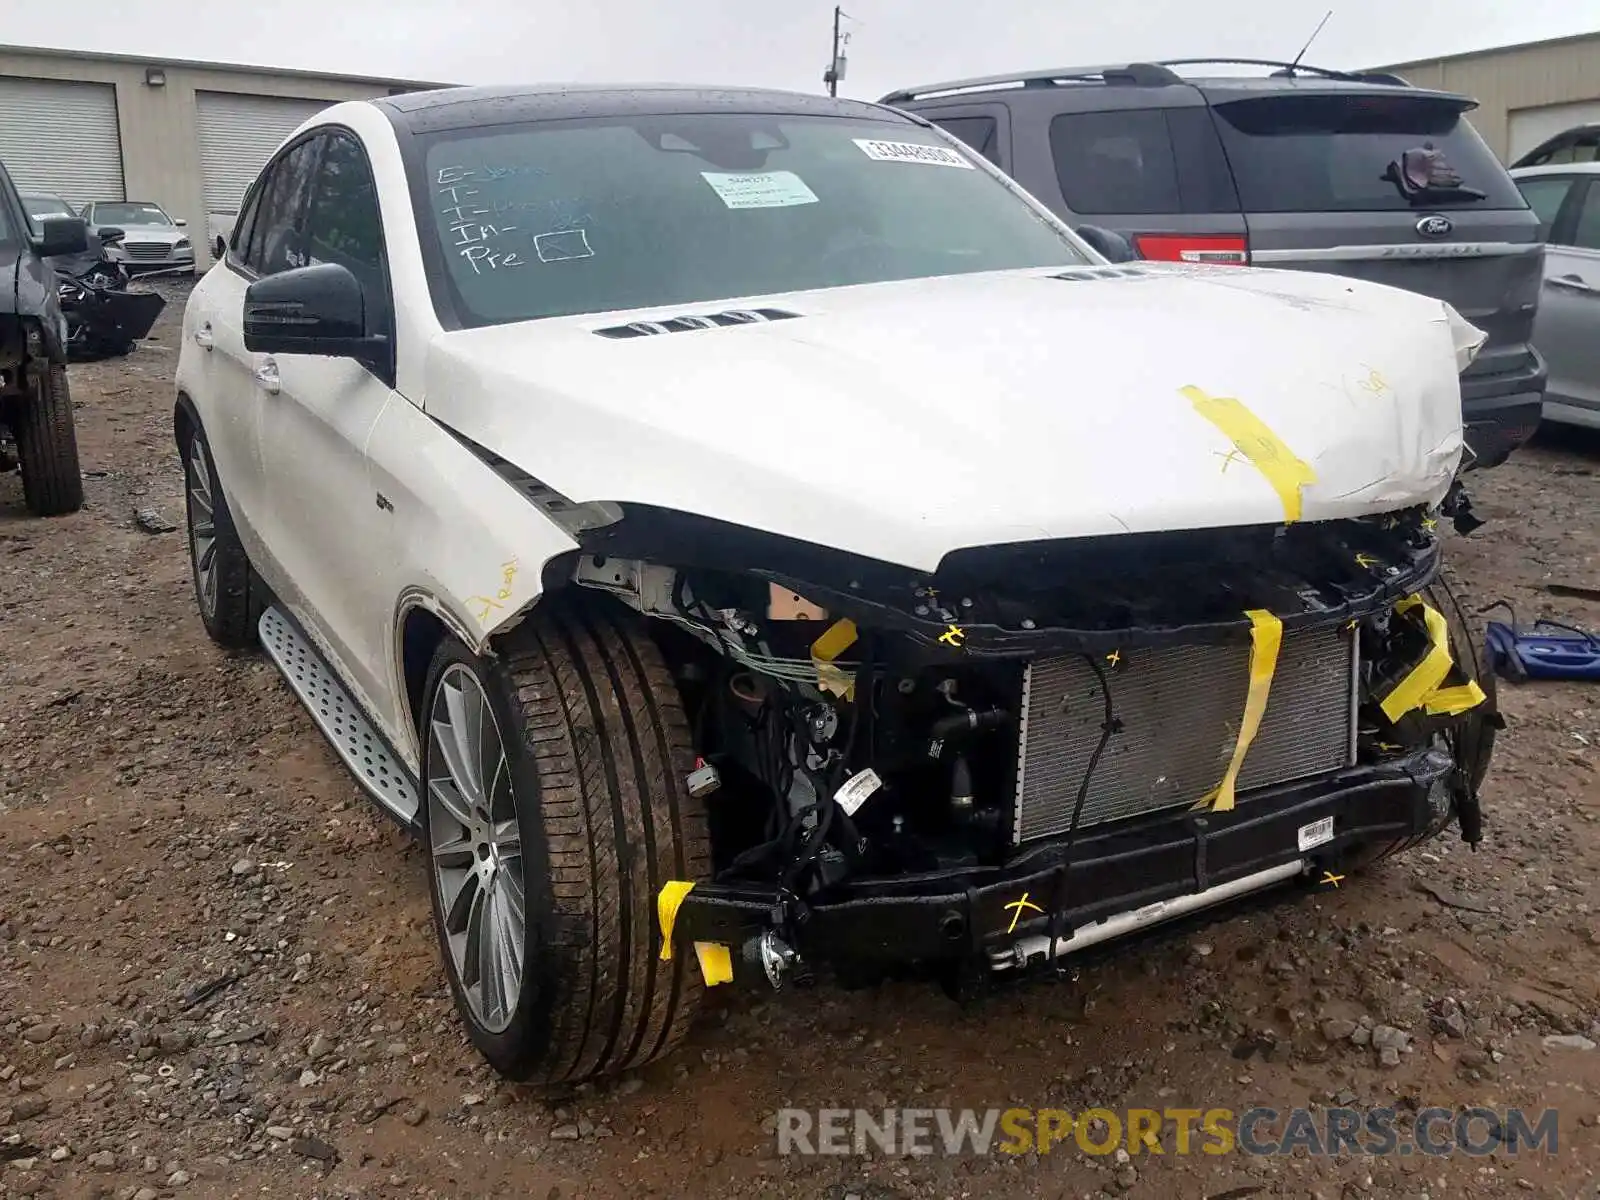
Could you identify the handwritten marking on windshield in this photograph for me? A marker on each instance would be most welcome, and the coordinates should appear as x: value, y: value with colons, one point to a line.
x: 562, y: 245
x: 474, y: 238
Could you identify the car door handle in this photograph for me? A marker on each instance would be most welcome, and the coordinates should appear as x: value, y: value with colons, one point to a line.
x: 203, y: 338
x: 1570, y: 283
x: 267, y: 377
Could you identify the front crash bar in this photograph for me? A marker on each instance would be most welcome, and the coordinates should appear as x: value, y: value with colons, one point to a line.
x: 1114, y: 869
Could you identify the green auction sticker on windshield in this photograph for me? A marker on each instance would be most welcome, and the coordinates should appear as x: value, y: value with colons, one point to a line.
x: 912, y: 152
x: 759, y: 189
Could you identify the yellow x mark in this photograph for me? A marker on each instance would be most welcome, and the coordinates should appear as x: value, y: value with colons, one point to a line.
x: 1019, y: 906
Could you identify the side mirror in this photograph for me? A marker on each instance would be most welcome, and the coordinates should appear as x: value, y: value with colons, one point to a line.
x: 1108, y: 243
x: 110, y: 234
x: 62, y: 235
x: 181, y: 222
x: 219, y: 250
x: 311, y: 310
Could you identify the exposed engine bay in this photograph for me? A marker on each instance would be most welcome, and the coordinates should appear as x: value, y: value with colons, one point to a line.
x: 864, y: 731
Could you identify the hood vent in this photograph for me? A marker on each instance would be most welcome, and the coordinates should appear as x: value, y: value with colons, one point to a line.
x: 1088, y: 274
x: 738, y: 316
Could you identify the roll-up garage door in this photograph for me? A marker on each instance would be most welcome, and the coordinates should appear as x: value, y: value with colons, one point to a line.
x: 238, y: 133
x: 1530, y: 126
x: 61, y: 137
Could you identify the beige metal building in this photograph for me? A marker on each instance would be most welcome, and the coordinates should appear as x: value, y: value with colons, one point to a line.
x: 189, y: 136
x: 1525, y: 93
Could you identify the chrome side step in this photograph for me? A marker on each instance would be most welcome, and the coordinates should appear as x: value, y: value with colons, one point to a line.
x: 1026, y: 950
x: 338, y: 716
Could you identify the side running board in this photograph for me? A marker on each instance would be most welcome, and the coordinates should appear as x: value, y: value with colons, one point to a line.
x: 338, y: 716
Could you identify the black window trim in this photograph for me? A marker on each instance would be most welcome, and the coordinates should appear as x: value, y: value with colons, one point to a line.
x: 386, y: 371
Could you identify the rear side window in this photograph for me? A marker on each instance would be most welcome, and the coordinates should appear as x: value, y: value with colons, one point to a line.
x: 1587, y: 232
x: 1138, y: 161
x: 1329, y: 153
x: 981, y: 133
x: 1545, y: 196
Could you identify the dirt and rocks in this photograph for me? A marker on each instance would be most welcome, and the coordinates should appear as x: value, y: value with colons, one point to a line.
x: 217, y: 975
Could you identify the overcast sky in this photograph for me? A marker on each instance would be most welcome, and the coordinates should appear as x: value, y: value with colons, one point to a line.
x: 779, y: 43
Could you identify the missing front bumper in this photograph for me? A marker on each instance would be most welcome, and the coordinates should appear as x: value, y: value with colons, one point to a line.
x: 1039, y: 900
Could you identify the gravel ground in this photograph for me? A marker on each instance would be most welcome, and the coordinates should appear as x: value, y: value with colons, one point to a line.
x: 217, y: 976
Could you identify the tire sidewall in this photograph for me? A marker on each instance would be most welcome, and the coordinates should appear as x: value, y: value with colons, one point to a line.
x: 220, y: 526
x: 526, y: 1041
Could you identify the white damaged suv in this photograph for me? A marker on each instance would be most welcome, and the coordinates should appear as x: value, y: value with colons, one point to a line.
x: 741, y: 533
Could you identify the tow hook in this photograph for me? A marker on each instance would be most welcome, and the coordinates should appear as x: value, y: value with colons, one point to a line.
x: 777, y: 958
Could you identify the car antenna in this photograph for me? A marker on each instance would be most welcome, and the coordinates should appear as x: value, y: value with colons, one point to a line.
x: 1309, y: 40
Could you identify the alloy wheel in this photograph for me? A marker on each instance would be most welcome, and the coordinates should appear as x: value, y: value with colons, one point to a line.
x: 475, y: 847
x: 203, y: 526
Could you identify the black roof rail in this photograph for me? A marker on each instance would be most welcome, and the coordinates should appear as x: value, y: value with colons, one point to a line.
x: 1287, y: 70
x: 1139, y: 74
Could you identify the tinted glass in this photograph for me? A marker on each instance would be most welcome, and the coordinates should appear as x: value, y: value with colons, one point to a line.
x: 1140, y: 161
x: 593, y: 216
x: 1544, y: 196
x: 342, y: 222
x: 1587, y: 231
x: 239, y: 236
x: 46, y: 206
x: 981, y: 133
x: 130, y: 214
x: 275, y: 234
x: 1297, y: 153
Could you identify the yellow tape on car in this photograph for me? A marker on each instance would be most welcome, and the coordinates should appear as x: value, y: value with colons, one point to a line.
x: 1266, y: 639
x: 1266, y: 450
x: 1421, y: 688
x: 716, y: 962
x: 835, y: 640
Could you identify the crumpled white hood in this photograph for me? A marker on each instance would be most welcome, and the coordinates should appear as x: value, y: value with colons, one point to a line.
x: 904, y: 420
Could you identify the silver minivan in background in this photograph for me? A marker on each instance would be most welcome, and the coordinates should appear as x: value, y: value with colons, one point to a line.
x: 1566, y: 199
x: 1356, y: 174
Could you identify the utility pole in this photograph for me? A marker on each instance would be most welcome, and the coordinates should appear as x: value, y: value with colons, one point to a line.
x: 835, y: 71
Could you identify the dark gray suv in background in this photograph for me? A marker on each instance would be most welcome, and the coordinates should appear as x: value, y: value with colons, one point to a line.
x: 1355, y: 174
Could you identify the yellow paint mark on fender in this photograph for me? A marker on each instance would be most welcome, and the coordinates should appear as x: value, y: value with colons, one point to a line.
x: 1266, y: 638
x: 484, y: 605
x: 1266, y: 450
x: 668, y: 901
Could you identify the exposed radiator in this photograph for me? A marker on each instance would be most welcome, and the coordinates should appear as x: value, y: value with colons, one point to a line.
x: 1180, y: 708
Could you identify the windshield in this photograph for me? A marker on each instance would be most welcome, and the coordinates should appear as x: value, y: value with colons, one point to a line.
x: 645, y: 211
x: 46, y: 206
x: 1309, y: 153
x: 130, y: 214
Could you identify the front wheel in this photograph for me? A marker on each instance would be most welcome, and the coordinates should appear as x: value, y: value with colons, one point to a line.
x: 225, y: 587
x: 47, y: 446
x: 555, y: 810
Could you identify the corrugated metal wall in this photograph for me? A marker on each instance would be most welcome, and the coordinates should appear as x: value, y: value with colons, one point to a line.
x: 1513, y: 79
x: 158, y: 126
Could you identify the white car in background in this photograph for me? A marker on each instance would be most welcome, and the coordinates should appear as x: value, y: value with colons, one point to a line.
x: 1566, y: 197
x: 155, y: 240
x: 739, y: 531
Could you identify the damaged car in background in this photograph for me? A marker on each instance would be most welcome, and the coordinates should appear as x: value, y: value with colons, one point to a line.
x: 743, y: 534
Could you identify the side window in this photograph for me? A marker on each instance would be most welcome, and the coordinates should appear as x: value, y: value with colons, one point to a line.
x: 275, y: 234
x: 1143, y: 160
x: 1587, y: 232
x: 981, y: 133
x: 1545, y: 195
x: 343, y: 222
